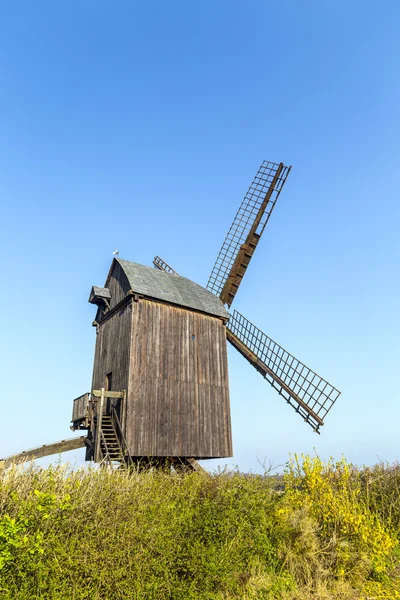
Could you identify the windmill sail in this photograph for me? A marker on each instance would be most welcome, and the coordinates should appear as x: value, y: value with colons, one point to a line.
x: 246, y: 230
x: 310, y: 395
x: 160, y: 264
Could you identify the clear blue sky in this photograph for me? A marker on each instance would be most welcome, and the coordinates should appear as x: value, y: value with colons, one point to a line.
x: 138, y: 126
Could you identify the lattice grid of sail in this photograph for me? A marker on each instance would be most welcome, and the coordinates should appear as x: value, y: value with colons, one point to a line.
x: 245, y: 219
x: 162, y: 265
x: 308, y: 393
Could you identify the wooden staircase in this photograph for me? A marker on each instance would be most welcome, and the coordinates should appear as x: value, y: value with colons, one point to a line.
x: 109, y: 444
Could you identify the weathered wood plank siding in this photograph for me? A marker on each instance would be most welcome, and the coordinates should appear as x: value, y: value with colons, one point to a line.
x: 178, y: 398
x: 112, y: 352
x: 118, y: 285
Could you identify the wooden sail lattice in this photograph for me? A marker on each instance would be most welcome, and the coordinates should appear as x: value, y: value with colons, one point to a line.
x: 308, y: 393
x: 246, y: 230
x: 160, y: 264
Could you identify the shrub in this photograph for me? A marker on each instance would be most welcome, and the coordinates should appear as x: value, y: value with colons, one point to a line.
x: 105, y: 535
x: 359, y: 542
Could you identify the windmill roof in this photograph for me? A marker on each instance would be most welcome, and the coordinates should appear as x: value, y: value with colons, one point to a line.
x: 172, y: 288
x: 100, y: 292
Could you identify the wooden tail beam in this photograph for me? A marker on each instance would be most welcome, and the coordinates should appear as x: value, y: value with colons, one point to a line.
x: 46, y: 450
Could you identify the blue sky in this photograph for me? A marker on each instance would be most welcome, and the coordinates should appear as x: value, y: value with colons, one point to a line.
x: 138, y: 126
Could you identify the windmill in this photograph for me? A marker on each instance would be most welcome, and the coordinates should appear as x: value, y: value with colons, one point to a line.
x: 310, y: 395
x: 160, y: 391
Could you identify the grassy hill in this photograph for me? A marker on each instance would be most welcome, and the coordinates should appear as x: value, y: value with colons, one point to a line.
x: 332, y: 533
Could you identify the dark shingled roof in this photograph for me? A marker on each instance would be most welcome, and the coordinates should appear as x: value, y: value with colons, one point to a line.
x: 171, y: 287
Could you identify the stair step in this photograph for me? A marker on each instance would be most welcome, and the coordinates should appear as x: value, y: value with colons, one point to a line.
x: 109, y: 442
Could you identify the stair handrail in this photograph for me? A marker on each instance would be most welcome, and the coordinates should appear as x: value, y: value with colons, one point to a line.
x: 121, y: 436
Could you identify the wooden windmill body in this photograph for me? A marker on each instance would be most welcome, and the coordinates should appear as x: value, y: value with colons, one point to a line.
x: 160, y: 379
x: 162, y: 340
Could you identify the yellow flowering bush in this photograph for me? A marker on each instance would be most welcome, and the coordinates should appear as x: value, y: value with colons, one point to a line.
x: 378, y: 590
x: 331, y: 492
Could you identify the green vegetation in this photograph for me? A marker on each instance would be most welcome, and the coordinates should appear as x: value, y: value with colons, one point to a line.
x: 94, y: 534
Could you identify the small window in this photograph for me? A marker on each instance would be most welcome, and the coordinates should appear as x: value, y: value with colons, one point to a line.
x: 193, y: 337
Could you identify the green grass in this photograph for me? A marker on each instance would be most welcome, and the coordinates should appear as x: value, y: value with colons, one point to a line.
x: 101, y: 535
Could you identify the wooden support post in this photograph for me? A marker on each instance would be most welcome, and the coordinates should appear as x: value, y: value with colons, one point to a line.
x: 100, y: 405
x: 123, y: 412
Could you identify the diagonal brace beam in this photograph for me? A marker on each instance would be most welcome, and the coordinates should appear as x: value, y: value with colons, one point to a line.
x: 47, y: 450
